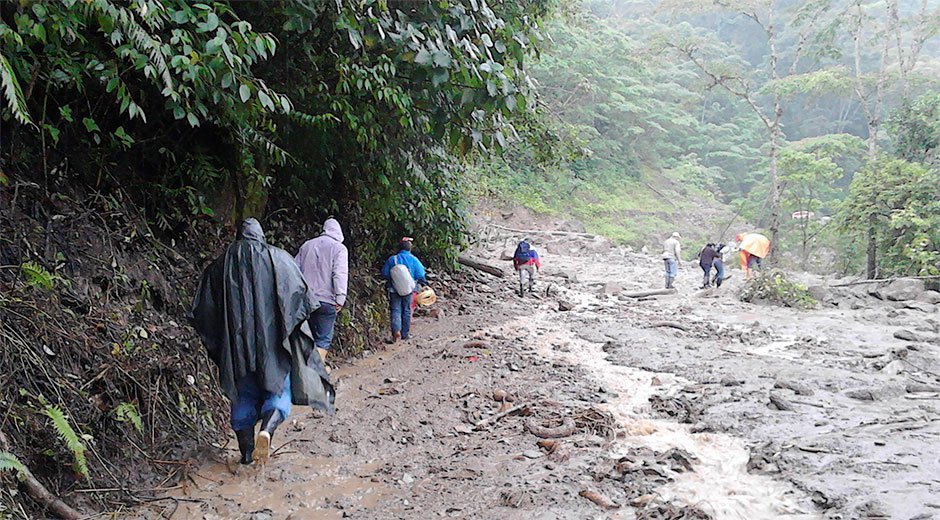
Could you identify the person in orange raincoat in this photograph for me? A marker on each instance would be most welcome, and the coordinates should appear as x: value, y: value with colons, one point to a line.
x: 754, y: 248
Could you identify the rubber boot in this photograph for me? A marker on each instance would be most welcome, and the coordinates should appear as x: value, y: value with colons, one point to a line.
x: 269, y: 422
x: 668, y: 281
x: 521, y: 291
x: 246, y: 444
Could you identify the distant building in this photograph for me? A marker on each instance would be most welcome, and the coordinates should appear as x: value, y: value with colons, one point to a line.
x: 801, y: 215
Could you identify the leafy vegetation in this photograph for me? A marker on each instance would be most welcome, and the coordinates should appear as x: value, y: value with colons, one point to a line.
x: 774, y: 287
x: 71, y: 439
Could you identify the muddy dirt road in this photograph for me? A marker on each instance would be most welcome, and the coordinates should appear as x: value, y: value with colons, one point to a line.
x: 693, y: 405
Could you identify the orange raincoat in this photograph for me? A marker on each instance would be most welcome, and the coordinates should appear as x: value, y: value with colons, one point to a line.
x: 752, y: 244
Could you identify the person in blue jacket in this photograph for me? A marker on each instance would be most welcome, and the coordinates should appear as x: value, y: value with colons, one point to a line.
x: 400, y: 306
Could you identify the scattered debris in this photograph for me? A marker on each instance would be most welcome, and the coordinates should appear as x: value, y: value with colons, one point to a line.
x: 539, y: 429
x: 599, y: 499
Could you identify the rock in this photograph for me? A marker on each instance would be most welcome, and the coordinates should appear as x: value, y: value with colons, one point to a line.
x: 571, y: 276
x: 929, y: 308
x: 564, y: 305
x: 645, y: 250
x: 902, y: 289
x: 532, y: 454
x: 909, y: 335
x: 888, y: 391
x: 818, y: 292
x: 611, y: 289
x: 407, y: 478
x: 861, y: 395
x: 894, y: 368
x: 931, y: 297
x: 797, y: 387
x: 436, y: 313
x: 731, y: 381
x: 508, y: 253
x: 913, y: 388
x: 779, y: 403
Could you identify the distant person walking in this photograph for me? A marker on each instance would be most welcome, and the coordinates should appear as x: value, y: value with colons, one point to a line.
x: 526, y: 262
x: 403, y: 273
x: 754, y: 248
x: 719, y: 264
x: 706, y: 260
x: 672, y: 253
x: 249, y: 310
x: 324, y: 262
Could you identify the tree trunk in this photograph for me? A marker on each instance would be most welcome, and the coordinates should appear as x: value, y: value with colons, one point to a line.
x: 480, y: 266
x: 871, y: 271
x: 774, y: 182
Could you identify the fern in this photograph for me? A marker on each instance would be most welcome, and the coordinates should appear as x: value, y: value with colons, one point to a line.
x: 128, y: 412
x: 71, y: 439
x: 9, y: 463
x: 37, y: 276
x: 12, y: 92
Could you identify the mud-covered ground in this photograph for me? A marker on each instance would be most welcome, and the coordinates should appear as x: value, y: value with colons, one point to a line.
x: 693, y: 405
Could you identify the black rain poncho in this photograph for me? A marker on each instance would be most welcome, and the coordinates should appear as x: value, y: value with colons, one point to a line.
x: 249, y: 309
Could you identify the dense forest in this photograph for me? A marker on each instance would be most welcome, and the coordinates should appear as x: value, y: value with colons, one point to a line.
x: 777, y: 109
x: 135, y: 133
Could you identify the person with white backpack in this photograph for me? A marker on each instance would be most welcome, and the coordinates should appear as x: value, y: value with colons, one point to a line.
x: 403, y: 273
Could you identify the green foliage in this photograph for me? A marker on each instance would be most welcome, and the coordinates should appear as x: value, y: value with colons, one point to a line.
x: 774, y: 287
x: 10, y: 464
x: 128, y: 412
x: 37, y: 276
x: 899, y: 203
x: 916, y: 129
x: 71, y: 439
x: 354, y: 108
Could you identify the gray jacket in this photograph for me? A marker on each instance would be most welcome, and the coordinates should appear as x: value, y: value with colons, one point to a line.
x: 324, y: 261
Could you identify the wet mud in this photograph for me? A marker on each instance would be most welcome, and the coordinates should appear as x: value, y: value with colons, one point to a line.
x: 693, y: 405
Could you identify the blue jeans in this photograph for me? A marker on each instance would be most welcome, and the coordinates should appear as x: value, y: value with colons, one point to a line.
x: 707, y: 269
x: 254, y: 401
x: 322, y: 322
x: 720, y: 267
x: 672, y: 267
x: 400, y: 313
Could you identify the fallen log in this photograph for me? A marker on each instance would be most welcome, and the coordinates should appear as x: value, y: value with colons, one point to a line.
x: 543, y: 232
x: 481, y: 266
x: 651, y: 292
x: 670, y: 324
x: 880, y: 280
x: 494, y: 418
x: 39, y: 493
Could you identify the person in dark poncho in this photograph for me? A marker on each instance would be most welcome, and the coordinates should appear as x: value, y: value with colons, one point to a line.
x: 249, y: 311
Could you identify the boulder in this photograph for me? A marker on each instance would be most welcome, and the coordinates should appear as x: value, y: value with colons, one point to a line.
x: 611, y: 289
x: 564, y: 305
x: 931, y: 297
x: 507, y: 253
x: 902, y: 289
x: 929, y: 308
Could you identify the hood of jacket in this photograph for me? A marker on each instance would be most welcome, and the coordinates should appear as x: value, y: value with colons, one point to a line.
x: 251, y: 230
x: 332, y: 229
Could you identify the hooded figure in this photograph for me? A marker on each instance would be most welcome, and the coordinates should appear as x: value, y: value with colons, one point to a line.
x: 754, y: 247
x: 324, y: 262
x: 249, y: 309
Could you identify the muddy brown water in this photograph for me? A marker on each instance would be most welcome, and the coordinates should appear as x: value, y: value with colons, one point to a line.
x: 402, y: 444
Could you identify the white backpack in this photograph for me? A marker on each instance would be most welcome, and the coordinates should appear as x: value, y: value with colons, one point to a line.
x: 402, y: 280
